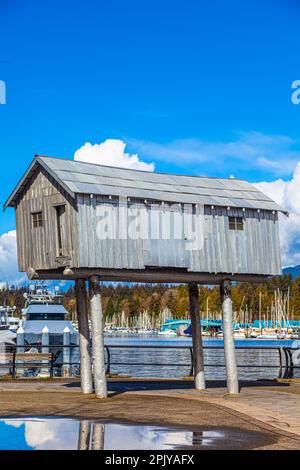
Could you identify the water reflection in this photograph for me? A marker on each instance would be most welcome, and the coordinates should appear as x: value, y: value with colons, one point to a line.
x: 84, y: 435
x: 67, y: 433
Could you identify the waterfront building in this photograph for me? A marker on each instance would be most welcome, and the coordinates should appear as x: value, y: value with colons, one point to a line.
x: 85, y: 222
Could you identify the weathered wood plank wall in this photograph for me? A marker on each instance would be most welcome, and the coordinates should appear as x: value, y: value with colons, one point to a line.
x: 38, y: 247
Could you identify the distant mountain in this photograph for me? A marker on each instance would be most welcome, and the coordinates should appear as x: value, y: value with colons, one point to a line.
x: 293, y: 270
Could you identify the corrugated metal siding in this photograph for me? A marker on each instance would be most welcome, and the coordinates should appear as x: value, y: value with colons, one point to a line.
x: 255, y: 250
x: 100, y: 251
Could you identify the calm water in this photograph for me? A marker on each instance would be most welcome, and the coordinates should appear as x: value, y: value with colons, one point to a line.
x: 256, y: 363
x: 176, y: 362
x: 71, y: 434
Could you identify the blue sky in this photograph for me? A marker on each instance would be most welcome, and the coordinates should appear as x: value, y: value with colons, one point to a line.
x: 194, y: 86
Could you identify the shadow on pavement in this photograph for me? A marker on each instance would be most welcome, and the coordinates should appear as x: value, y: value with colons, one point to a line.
x: 125, y: 385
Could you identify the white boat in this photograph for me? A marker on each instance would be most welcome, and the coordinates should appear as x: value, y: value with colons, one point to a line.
x: 167, y: 333
x: 295, y: 336
x: 267, y: 336
x: 7, y: 320
x: 7, y: 336
x: 44, y: 309
x: 239, y: 334
x: 13, y: 323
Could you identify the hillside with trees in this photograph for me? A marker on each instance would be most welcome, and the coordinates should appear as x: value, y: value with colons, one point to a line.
x: 131, y: 301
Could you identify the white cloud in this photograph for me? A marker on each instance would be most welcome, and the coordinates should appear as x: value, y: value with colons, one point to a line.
x: 276, y: 154
x: 111, y: 152
x: 48, y: 433
x: 61, y: 433
x: 8, y: 260
x: 287, y: 194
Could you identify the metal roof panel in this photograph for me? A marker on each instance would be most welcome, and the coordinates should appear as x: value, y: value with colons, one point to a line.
x: 87, y: 178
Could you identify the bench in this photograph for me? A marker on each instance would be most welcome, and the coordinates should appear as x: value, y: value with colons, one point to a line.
x: 7, y: 361
x: 15, y: 361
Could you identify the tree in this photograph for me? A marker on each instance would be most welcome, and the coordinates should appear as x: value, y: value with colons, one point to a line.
x: 110, y: 310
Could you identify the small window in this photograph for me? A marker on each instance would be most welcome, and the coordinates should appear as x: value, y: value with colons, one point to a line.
x: 37, y: 219
x: 236, y: 223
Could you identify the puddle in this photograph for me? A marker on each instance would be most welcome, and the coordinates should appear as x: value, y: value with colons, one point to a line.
x: 68, y: 433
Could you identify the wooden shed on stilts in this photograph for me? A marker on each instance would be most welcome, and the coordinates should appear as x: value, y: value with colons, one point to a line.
x: 92, y: 223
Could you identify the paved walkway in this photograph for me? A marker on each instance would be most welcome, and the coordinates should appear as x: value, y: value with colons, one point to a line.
x: 275, y: 404
x: 275, y: 408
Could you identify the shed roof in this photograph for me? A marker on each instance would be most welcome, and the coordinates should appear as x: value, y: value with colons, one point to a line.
x: 87, y: 178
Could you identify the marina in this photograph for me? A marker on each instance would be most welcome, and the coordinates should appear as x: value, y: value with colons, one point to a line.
x: 134, y: 355
x: 139, y: 351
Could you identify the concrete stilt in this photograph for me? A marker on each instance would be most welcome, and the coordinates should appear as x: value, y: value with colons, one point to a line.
x: 84, y: 337
x: 97, y: 338
x: 197, y: 336
x: 229, y: 346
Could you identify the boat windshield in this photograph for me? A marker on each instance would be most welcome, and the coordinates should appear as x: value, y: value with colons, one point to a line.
x: 46, y: 316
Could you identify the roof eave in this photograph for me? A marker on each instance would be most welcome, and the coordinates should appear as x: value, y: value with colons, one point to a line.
x: 10, y: 202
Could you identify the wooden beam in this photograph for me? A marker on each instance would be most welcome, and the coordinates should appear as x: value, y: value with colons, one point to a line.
x: 146, y: 275
x: 84, y: 337
x: 229, y: 346
x: 97, y: 338
x: 197, y: 336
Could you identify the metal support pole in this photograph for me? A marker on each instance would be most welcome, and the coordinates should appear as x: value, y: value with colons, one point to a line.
x: 229, y: 346
x: 197, y: 336
x: 97, y: 338
x: 84, y: 337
